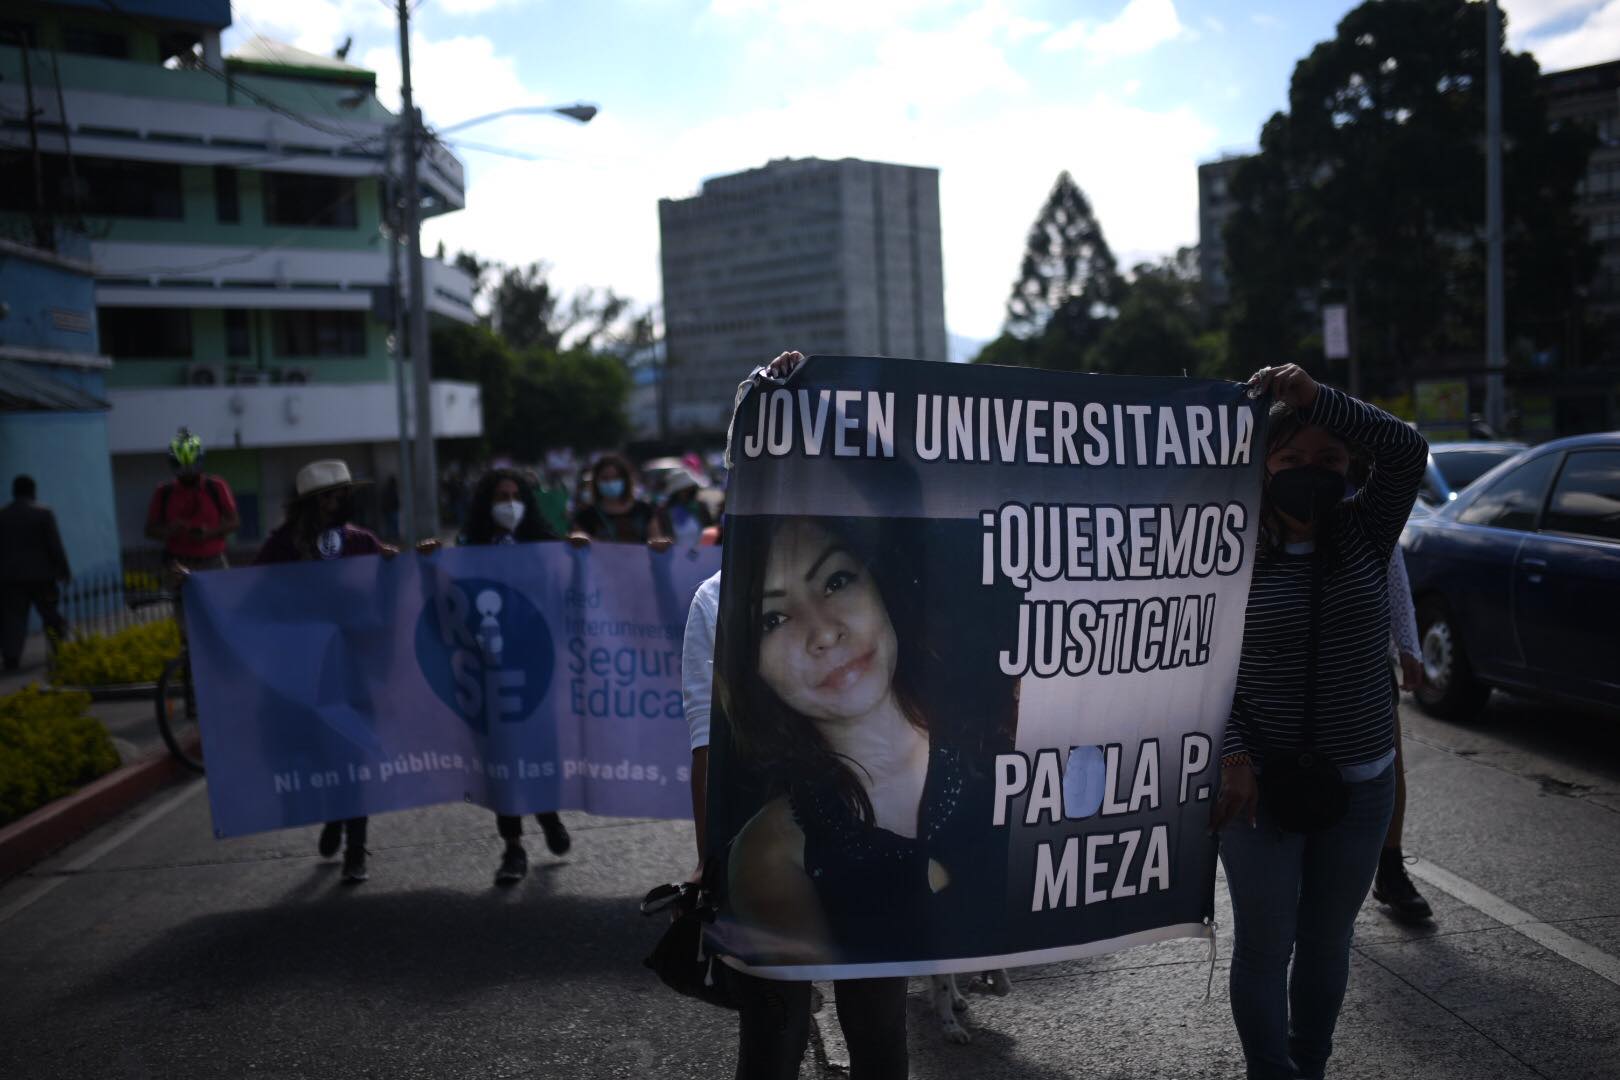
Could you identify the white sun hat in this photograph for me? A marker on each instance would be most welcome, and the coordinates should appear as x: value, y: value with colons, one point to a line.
x: 322, y: 476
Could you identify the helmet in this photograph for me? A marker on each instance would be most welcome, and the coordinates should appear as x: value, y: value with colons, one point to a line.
x: 185, y: 450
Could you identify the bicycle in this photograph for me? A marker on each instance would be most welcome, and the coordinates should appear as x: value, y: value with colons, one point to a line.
x: 175, y: 680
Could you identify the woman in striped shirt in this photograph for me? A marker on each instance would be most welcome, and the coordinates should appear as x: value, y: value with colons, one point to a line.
x: 1296, y: 893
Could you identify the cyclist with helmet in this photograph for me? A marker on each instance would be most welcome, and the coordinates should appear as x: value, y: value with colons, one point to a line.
x: 193, y: 513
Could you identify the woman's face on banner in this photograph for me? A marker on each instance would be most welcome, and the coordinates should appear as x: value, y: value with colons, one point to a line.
x: 827, y: 648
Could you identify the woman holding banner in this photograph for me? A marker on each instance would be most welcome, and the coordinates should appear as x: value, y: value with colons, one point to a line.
x: 318, y: 526
x: 505, y: 510
x: 1307, y: 780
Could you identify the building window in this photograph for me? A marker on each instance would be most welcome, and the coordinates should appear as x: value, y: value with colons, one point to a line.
x: 145, y: 333
x: 305, y: 200
x: 106, y: 188
x: 238, y: 335
x: 89, y: 42
x: 320, y: 333
x: 227, y: 202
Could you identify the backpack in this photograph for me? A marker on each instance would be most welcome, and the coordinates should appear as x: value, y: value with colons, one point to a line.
x: 209, y: 484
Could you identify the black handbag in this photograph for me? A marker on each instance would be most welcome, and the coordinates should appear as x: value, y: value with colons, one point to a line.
x: 680, y: 959
x: 1301, y: 790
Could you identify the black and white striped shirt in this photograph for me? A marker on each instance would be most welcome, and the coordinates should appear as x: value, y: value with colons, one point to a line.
x: 1354, y: 709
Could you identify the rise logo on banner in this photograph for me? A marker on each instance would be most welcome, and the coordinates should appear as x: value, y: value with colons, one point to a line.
x: 486, y: 651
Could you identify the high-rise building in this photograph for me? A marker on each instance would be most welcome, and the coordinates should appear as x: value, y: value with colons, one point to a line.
x: 234, y: 207
x: 1215, y: 205
x: 1590, y: 96
x: 821, y: 256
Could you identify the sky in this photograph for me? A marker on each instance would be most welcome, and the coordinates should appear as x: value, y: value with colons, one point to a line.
x: 999, y: 95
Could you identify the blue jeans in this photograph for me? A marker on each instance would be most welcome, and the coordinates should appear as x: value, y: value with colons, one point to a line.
x: 1297, y: 894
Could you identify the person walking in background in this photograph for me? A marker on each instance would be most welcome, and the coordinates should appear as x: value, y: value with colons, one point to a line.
x: 318, y: 526
x: 32, y: 562
x: 1307, y: 762
x: 686, y: 514
x: 614, y: 514
x: 1392, y: 886
x: 193, y: 513
x: 504, y: 510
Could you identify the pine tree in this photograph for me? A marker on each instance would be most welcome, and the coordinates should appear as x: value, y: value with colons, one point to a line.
x: 1066, y: 262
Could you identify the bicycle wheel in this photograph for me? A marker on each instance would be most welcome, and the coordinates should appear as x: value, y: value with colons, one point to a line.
x: 171, y: 714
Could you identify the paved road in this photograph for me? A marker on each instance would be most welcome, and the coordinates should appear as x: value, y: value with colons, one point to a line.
x: 158, y: 952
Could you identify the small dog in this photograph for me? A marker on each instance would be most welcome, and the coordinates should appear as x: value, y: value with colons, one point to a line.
x: 948, y: 1000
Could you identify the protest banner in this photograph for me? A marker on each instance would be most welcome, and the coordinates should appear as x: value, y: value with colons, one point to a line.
x: 521, y: 678
x: 979, y: 632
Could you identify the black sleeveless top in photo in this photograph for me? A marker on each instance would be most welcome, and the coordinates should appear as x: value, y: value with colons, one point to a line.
x: 873, y: 884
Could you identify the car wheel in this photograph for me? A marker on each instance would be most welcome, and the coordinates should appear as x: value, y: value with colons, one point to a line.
x: 1450, y: 690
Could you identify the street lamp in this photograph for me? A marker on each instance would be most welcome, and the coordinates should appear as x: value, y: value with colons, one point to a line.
x: 424, y: 463
x: 577, y: 111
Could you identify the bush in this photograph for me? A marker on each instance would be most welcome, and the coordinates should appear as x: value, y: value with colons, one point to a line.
x: 135, y: 655
x: 49, y: 746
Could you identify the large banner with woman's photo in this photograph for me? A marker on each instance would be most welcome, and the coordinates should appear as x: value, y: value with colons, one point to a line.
x: 978, y: 635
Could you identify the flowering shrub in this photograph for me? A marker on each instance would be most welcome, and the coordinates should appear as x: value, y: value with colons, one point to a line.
x: 134, y: 655
x: 49, y: 746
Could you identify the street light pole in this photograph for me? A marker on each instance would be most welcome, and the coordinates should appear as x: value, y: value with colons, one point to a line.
x: 424, y: 467
x: 1495, y: 322
x: 402, y: 362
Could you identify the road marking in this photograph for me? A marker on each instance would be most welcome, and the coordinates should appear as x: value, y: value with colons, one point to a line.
x: 1573, y: 949
x: 106, y: 847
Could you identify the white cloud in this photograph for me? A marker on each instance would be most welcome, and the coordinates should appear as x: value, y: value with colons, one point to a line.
x: 316, y: 26
x: 937, y: 90
x: 1141, y: 26
x: 846, y: 16
x: 1594, y: 39
x: 1526, y: 16
x: 1214, y: 24
x: 1261, y: 18
x: 474, y: 7
x: 593, y: 212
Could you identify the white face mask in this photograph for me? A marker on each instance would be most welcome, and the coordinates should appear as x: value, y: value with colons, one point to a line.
x: 507, y: 514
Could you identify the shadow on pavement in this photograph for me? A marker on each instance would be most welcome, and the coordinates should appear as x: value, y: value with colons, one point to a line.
x: 431, y: 943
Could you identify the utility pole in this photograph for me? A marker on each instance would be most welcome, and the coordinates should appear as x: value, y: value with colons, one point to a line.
x: 402, y: 368
x: 424, y: 467
x: 1495, y: 328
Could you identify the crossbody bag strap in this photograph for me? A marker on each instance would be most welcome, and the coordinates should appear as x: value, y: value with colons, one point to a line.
x: 1313, y: 645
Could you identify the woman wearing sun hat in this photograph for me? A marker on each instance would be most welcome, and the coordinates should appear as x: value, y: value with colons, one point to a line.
x: 317, y: 526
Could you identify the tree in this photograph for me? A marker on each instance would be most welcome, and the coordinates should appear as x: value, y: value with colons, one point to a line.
x: 476, y: 354
x: 1066, y: 259
x: 1157, y: 329
x: 1370, y: 190
x: 523, y: 308
x: 574, y: 398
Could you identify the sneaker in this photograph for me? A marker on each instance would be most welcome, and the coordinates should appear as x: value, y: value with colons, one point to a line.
x: 331, y: 839
x: 1392, y: 887
x: 354, y: 866
x: 514, y: 866
x: 557, y: 840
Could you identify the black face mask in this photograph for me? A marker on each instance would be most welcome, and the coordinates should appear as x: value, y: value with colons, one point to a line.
x: 339, y: 514
x: 1306, y: 493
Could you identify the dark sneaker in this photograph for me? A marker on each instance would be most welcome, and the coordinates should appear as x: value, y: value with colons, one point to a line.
x: 331, y: 839
x: 1393, y: 888
x: 514, y: 867
x: 557, y: 840
x: 354, y: 866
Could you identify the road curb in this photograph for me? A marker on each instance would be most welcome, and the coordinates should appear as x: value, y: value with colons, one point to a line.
x: 52, y: 827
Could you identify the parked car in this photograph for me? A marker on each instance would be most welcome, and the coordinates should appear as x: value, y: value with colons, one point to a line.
x: 1517, y: 581
x: 1453, y: 466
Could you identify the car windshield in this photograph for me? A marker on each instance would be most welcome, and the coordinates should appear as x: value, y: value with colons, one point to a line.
x: 1463, y: 467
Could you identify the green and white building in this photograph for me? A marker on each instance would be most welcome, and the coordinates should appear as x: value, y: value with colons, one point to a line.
x: 234, y: 208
